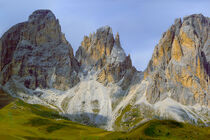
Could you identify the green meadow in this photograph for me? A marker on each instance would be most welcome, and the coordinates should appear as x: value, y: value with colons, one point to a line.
x: 19, y: 121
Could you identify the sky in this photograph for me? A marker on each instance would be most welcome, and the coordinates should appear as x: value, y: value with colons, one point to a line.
x: 140, y: 23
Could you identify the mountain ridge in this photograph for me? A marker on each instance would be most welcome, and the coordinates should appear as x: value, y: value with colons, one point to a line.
x: 99, y: 86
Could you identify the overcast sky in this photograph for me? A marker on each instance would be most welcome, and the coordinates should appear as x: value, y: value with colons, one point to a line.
x: 140, y: 23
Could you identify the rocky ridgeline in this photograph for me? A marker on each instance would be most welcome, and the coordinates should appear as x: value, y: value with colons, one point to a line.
x: 99, y: 86
x: 181, y: 63
x: 102, y: 52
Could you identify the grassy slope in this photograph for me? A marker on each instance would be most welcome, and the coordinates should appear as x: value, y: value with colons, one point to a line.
x: 167, y: 129
x: 20, y: 120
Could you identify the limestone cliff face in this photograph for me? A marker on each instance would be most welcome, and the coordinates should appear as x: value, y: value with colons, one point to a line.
x: 181, y: 62
x: 37, y: 54
x: 96, y: 47
x: 102, y: 52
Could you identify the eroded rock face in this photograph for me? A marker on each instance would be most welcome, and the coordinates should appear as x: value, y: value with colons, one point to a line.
x: 102, y: 52
x: 96, y: 47
x: 37, y: 53
x: 180, y: 63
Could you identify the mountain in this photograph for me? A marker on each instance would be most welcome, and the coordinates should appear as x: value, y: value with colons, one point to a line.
x: 99, y: 86
x: 103, y: 53
x: 176, y: 81
x: 181, y: 63
x: 37, y: 54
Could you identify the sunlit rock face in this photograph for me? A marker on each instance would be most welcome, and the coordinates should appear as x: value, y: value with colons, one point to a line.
x: 37, y: 54
x: 180, y: 63
x: 96, y: 47
x: 99, y: 86
x: 103, y: 53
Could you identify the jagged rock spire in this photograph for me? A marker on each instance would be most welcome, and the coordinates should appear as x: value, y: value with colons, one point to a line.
x: 96, y: 47
x: 117, y: 39
x: 103, y: 52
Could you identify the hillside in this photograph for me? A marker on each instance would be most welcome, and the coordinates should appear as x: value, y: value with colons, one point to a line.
x: 25, y: 121
x: 5, y: 98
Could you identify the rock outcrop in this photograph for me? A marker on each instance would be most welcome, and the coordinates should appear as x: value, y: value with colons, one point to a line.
x: 180, y: 63
x: 102, y: 52
x: 37, y: 54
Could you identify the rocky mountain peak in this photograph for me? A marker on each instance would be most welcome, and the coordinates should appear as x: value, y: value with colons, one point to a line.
x: 103, y: 53
x: 37, y: 54
x: 41, y: 15
x: 117, y: 55
x: 117, y: 39
x: 199, y: 18
x: 104, y: 32
x: 44, y: 27
x: 182, y: 58
x: 96, y: 47
x: 196, y: 27
x: 100, y: 48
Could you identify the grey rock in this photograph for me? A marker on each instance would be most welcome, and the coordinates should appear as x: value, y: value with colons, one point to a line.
x: 180, y: 63
x: 38, y: 49
x: 102, y: 52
